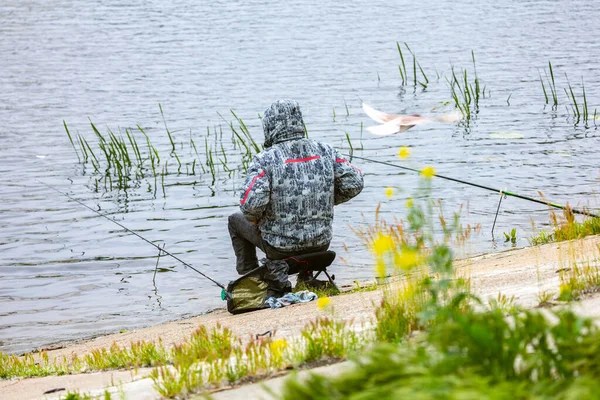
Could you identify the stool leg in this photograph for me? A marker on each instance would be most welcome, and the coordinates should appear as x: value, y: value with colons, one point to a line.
x: 331, y: 281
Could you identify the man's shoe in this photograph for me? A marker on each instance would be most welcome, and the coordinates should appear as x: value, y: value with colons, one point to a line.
x: 287, y: 288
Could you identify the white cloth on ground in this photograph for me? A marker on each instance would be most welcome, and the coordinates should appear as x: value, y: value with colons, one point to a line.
x: 303, y: 296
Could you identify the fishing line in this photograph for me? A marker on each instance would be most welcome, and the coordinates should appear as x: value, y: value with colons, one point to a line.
x: 136, y: 234
x: 501, y: 191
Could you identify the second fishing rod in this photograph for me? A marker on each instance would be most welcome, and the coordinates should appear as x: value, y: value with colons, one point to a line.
x: 224, y: 293
x: 502, y: 192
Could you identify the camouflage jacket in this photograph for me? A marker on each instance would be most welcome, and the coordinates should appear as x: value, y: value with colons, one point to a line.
x: 292, y: 185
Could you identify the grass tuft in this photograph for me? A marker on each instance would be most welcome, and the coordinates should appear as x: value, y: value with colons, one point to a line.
x: 566, y: 227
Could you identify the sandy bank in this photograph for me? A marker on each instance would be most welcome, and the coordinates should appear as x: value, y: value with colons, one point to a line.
x: 520, y: 273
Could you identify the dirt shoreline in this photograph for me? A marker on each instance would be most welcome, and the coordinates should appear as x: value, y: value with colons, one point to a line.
x: 519, y: 273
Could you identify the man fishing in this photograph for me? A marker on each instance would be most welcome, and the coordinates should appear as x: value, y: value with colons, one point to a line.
x: 288, y: 196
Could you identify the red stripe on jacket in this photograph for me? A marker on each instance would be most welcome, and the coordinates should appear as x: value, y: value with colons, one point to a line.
x: 250, y: 186
x: 294, y: 160
x: 341, y: 160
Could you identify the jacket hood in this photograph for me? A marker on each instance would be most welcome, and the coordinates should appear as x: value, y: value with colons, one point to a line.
x: 282, y: 121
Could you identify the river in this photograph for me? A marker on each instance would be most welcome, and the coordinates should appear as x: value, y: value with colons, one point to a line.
x: 67, y: 274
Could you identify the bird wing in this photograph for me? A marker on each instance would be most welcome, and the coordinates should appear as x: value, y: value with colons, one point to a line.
x: 389, y: 128
x: 378, y: 116
x: 394, y: 123
x: 451, y: 117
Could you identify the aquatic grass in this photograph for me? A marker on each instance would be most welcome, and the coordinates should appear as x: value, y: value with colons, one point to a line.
x: 349, y: 143
x: 551, y: 85
x: 153, y: 155
x: 580, y: 111
x: 543, y: 88
x: 476, y: 81
x: 415, y: 65
x: 585, y: 104
x: 89, y: 153
x: 167, y: 129
x: 462, y: 93
x: 71, y: 140
x: 402, y: 68
x: 465, y: 92
x: 574, y: 105
x: 246, y: 132
x: 193, y: 144
x: 123, y: 164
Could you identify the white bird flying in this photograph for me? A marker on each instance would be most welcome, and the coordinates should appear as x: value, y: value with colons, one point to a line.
x: 394, y: 123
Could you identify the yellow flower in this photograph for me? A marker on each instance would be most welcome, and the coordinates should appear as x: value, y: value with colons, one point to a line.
x: 404, y: 152
x: 389, y: 191
x: 409, y: 202
x: 323, y: 302
x: 380, y: 268
x: 428, y: 172
x: 408, y: 259
x: 382, y: 244
x: 278, y: 345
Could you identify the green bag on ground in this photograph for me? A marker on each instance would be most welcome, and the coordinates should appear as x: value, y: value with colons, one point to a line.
x: 249, y: 292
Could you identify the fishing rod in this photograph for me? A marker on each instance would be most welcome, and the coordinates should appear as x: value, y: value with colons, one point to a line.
x: 161, y: 249
x: 502, y: 192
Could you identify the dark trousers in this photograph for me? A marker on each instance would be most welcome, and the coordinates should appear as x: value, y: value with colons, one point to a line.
x: 246, y: 237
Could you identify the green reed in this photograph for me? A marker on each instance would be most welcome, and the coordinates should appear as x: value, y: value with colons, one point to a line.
x: 120, y: 162
x: 551, y: 85
x: 167, y: 129
x: 349, y: 143
x: 415, y: 65
x: 246, y: 132
x: 477, y: 90
x: 71, y: 140
x: 465, y: 91
x: 580, y: 111
x: 402, y: 68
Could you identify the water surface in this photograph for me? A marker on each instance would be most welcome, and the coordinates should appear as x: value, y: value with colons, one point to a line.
x: 67, y: 274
